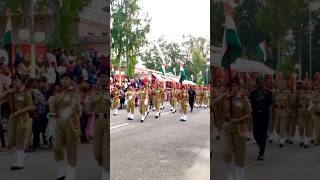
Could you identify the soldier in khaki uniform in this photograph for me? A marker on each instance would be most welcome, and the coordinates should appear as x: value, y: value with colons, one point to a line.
x: 157, y: 99
x: 281, y: 113
x: 163, y: 94
x: 235, y: 131
x: 218, y: 100
x: 316, y: 114
x: 101, y: 132
x: 130, y: 97
x: 19, y: 121
x: 206, y: 98
x: 153, y: 96
x: 304, y: 117
x: 66, y: 110
x: 144, y: 94
x: 183, y: 98
x: 173, y: 100
x: 198, y: 95
x: 116, y: 100
x: 292, y: 114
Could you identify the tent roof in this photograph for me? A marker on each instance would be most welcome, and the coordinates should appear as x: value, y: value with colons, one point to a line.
x: 245, y: 65
x: 188, y: 82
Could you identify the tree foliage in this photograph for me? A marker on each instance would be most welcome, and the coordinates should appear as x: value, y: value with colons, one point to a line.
x: 128, y: 33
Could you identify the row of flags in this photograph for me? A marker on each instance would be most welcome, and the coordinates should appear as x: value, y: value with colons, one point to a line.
x: 182, y: 75
x: 231, y: 47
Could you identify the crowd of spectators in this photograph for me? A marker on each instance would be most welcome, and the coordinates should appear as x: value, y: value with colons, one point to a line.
x: 49, y: 68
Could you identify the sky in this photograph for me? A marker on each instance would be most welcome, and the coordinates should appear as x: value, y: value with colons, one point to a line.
x: 175, y: 18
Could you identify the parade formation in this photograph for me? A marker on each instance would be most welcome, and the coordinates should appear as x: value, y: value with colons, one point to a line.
x: 151, y: 97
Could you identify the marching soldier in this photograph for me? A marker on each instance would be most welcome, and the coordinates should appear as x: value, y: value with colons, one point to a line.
x: 316, y: 114
x: 162, y: 96
x: 206, y: 98
x: 218, y: 109
x: 157, y: 99
x: 116, y: 100
x: 130, y: 97
x: 153, y: 95
x: 198, y: 95
x: 183, y: 97
x: 235, y: 133
x: 144, y: 94
x: 202, y: 96
x: 101, y: 134
x: 292, y: 114
x: 20, y: 120
x: 281, y: 113
x: 66, y: 110
x: 173, y: 101
x: 304, y: 117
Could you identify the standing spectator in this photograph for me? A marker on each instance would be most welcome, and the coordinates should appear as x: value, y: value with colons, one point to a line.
x: 261, y: 100
x: 40, y: 122
x: 51, y: 74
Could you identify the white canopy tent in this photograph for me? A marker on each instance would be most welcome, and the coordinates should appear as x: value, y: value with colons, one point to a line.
x: 245, y: 65
x: 159, y: 77
x: 188, y: 82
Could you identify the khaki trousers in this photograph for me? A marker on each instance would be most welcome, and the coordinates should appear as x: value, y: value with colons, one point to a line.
x: 233, y: 142
x: 130, y: 106
x: 305, y: 123
x: 116, y: 103
x: 173, y: 102
x: 65, y: 137
x: 143, y: 107
x: 281, y: 119
x: 317, y: 127
x: 18, y: 132
x: 183, y: 107
x: 101, y: 139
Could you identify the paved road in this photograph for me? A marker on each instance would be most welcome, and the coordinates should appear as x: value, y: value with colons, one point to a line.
x: 40, y: 166
x: 291, y: 162
x: 161, y: 149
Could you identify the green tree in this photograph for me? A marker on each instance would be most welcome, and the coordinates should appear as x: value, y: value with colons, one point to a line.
x: 128, y: 33
x: 198, y: 63
x: 275, y: 19
x: 286, y: 66
x: 151, y: 57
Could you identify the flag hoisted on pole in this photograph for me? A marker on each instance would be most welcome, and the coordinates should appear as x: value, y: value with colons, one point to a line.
x: 182, y: 74
x: 174, y: 71
x: 163, y: 69
x: 231, y: 45
x: 231, y: 40
x: 262, y: 51
x: 7, y: 39
x: 8, y: 46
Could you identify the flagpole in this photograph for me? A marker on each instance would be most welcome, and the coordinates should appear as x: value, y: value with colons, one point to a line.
x: 11, y: 55
x: 229, y: 76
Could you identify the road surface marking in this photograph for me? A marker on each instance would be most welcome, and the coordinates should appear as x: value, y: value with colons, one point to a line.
x: 119, y: 126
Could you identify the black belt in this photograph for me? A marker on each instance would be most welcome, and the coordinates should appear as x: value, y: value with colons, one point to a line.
x: 97, y: 115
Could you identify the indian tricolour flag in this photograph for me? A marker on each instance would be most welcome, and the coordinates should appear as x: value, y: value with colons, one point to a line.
x: 182, y: 74
x: 163, y: 69
x: 262, y: 51
x: 174, y: 71
x: 231, y: 42
x: 7, y: 37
